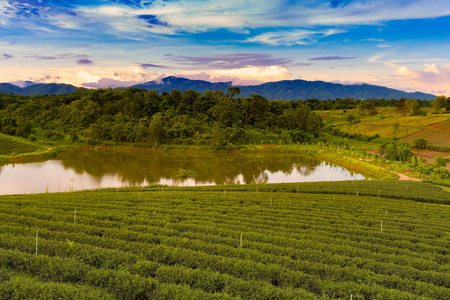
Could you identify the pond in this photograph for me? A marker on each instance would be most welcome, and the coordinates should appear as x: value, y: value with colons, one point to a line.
x: 79, y: 170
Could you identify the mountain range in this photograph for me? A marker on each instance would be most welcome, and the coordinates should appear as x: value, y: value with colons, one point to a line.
x: 37, y: 89
x: 280, y: 90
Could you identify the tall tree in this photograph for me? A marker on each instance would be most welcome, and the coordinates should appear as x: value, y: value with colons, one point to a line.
x: 438, y: 103
x: 232, y: 91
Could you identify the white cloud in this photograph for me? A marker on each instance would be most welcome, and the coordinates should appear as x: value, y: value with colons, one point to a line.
x: 194, y: 15
x: 422, y: 74
x: 293, y: 37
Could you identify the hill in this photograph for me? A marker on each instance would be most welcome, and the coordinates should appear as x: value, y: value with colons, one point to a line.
x: 287, y: 89
x: 10, y: 145
x: 279, y: 90
x: 183, y: 84
x: 38, y: 89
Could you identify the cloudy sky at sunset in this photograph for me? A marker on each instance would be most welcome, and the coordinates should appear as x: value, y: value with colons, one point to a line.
x: 403, y: 44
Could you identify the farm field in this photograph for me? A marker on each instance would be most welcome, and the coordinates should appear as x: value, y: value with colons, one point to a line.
x: 10, y: 145
x: 359, y: 239
x: 382, y: 123
x: 436, y: 134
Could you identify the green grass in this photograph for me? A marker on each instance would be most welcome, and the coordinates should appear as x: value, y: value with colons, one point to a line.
x: 322, y: 242
x: 10, y: 145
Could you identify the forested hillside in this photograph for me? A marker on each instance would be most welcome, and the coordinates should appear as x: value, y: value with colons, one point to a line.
x: 37, y: 89
x: 288, y: 89
x: 140, y: 116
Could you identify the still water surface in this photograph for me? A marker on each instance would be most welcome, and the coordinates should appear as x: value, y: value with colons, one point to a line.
x: 80, y: 170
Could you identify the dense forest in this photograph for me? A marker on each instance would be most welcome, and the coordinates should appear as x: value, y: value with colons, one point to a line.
x: 139, y: 116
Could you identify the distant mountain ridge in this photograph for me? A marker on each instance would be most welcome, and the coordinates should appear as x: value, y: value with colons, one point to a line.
x: 287, y: 89
x: 280, y: 90
x: 38, y: 89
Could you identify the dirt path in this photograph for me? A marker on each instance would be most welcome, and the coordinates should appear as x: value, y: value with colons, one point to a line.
x: 405, y: 177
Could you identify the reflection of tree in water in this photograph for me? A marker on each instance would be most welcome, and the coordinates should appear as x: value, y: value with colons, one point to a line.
x: 220, y: 168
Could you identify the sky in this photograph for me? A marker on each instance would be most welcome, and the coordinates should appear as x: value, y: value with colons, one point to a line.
x: 402, y: 44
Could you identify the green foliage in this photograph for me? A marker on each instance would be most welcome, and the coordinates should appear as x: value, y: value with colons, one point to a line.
x: 438, y: 103
x: 135, y: 115
x: 420, y: 143
x: 396, y: 152
x: 184, y: 174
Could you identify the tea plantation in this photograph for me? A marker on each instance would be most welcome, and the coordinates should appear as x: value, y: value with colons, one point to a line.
x: 341, y: 240
x: 10, y: 145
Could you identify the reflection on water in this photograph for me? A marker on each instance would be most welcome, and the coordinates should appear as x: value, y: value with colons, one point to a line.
x: 91, y: 169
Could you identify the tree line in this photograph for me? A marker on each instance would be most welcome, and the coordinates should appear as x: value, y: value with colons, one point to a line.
x: 139, y: 116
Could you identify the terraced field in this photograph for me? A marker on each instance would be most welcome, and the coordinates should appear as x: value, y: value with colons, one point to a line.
x: 13, y: 145
x: 365, y: 240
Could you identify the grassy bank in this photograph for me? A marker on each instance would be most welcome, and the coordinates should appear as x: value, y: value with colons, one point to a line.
x: 15, y: 149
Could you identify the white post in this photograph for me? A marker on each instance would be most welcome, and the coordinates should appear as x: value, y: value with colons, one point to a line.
x: 36, y: 241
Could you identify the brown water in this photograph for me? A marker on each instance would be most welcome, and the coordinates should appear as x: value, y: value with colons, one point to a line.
x: 78, y: 170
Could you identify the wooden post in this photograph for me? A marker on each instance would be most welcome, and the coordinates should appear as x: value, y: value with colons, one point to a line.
x: 36, y: 241
x: 240, y: 243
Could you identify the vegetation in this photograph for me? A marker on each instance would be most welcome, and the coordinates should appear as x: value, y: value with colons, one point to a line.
x: 134, y: 115
x: 270, y: 241
x: 11, y: 146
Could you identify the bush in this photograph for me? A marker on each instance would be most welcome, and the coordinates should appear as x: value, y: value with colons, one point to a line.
x: 420, y: 143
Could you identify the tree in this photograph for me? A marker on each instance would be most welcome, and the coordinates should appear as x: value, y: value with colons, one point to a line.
x: 401, y: 106
x: 233, y: 90
x: 226, y: 112
x: 412, y: 106
x: 367, y: 107
x: 438, y: 103
x: 447, y: 104
x: 395, y: 128
x: 253, y: 107
x: 157, y: 130
x: 420, y: 143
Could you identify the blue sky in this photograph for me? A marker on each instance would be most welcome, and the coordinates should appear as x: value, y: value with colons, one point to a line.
x: 400, y: 44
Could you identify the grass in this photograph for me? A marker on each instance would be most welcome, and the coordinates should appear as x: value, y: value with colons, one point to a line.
x: 264, y: 241
x: 10, y: 145
x: 15, y: 149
